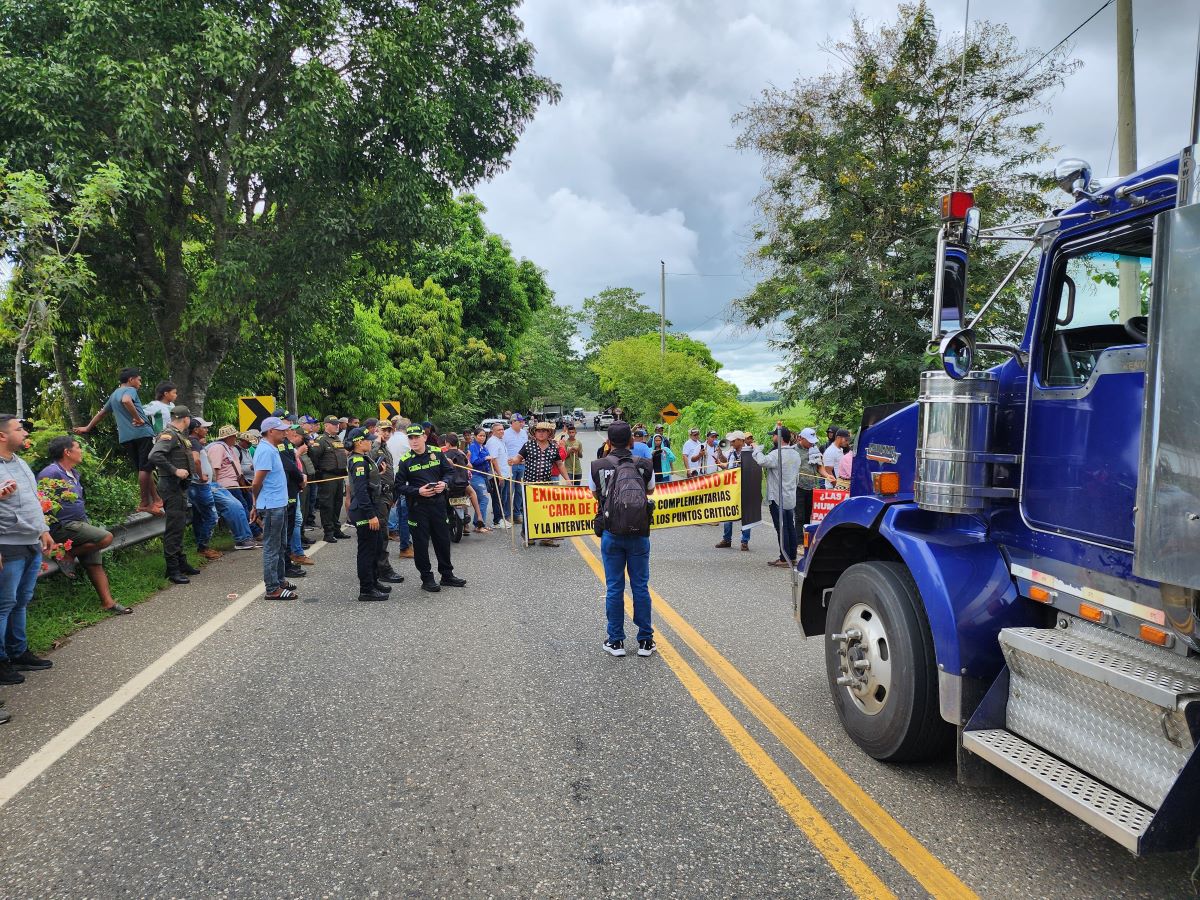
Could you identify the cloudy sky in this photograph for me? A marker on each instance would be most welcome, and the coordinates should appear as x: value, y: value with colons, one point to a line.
x: 637, y: 164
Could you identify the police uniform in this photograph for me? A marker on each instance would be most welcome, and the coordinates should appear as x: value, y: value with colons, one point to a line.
x: 173, y: 451
x: 330, y: 457
x: 366, y: 488
x: 308, y: 499
x: 427, y: 515
x: 387, y: 497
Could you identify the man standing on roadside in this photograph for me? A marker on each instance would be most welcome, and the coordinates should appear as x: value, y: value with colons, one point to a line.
x: 501, y: 473
x: 421, y: 475
x: 573, y: 460
x: 641, y: 447
x: 329, y: 459
x: 71, y: 523
x: 782, y: 468
x: 365, y: 499
x: 134, y: 434
x: 24, y: 540
x: 171, y: 457
x: 833, y: 456
x: 204, y: 508
x: 693, y: 453
x: 622, y: 487
x: 810, y: 467
x: 733, y: 460
x: 515, y: 439
x: 270, y: 491
x: 397, y: 446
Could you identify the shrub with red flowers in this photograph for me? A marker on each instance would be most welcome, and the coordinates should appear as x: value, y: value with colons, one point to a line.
x: 52, y: 493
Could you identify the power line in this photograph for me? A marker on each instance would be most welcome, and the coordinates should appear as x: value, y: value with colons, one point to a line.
x: 705, y: 275
x: 1076, y: 31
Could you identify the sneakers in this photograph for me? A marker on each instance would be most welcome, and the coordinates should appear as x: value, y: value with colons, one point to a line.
x: 302, y: 560
x: 453, y: 581
x: 503, y: 525
x: 614, y: 648
x: 282, y: 593
x: 27, y: 662
x: 646, y: 648
x: 722, y: 544
x: 248, y: 545
x: 9, y: 675
x: 210, y: 553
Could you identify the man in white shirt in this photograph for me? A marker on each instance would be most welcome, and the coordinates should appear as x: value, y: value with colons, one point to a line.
x: 810, y: 453
x: 711, y: 449
x: 833, y: 455
x: 397, y: 446
x: 515, y: 439
x: 693, y: 453
x: 502, y: 492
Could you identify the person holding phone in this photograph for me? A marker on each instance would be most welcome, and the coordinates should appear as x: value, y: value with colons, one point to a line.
x: 421, y: 475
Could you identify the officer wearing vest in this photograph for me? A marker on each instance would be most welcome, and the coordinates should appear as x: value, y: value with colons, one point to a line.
x: 421, y: 475
x: 172, y: 459
x: 365, y: 488
x: 387, y: 476
x: 329, y: 457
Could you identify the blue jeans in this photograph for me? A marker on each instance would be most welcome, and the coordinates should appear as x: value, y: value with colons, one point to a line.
x: 503, y: 508
x: 518, y: 490
x: 728, y: 533
x: 480, y: 483
x: 204, y: 513
x: 401, y: 508
x: 232, y: 512
x: 275, y: 528
x: 17, y: 581
x: 297, y: 549
x: 621, y: 552
x: 786, y: 532
x: 247, y: 501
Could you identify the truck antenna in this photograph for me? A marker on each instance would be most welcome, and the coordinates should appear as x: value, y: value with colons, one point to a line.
x: 962, y: 77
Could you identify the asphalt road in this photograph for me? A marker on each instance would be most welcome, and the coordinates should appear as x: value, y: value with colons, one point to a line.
x: 479, y: 743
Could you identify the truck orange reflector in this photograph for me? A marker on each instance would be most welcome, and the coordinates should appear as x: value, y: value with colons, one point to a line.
x: 1092, y: 613
x: 1040, y: 594
x: 1155, y: 635
x: 886, y: 483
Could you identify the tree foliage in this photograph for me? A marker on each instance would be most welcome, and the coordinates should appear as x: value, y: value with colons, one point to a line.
x: 263, y: 144
x: 615, y: 314
x: 855, y: 162
x: 642, y: 380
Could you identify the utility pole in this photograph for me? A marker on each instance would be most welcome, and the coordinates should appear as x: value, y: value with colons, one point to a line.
x: 1129, y: 304
x: 289, y: 378
x: 662, y: 307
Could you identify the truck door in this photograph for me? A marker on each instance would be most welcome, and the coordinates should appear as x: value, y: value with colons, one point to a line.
x: 1086, y: 386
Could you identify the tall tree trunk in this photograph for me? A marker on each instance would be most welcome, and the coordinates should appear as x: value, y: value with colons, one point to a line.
x: 66, y: 381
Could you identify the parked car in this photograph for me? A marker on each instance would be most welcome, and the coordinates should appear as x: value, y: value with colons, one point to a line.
x: 579, y: 414
x: 487, y: 424
x: 604, y: 420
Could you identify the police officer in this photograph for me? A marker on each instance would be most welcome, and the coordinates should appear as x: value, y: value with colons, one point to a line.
x: 421, y: 475
x: 329, y: 457
x: 171, y: 457
x: 387, y: 476
x: 365, y: 497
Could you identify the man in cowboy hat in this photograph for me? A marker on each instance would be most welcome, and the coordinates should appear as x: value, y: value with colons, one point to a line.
x: 227, y: 482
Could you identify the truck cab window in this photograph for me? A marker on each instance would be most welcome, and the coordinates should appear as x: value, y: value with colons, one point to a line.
x: 1089, y: 317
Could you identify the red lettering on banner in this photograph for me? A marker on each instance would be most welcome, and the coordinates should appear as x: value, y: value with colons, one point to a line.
x: 824, y: 500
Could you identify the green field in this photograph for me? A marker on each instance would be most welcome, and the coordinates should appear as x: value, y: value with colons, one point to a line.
x: 798, y: 411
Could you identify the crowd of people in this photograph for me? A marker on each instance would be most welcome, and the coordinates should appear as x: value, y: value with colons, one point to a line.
x: 389, y: 480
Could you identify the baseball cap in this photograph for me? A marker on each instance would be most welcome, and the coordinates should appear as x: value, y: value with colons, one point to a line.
x: 332, y: 420
x: 271, y: 423
x: 180, y: 412
x: 308, y: 420
x: 357, y: 434
x: 641, y: 432
x: 841, y: 432
x: 385, y: 424
x: 370, y: 422
x: 619, y: 432
x: 414, y: 431
x: 809, y: 434
x: 658, y: 427
x: 426, y: 424
x: 736, y: 436
x: 693, y: 431
x: 713, y: 433
x: 517, y: 417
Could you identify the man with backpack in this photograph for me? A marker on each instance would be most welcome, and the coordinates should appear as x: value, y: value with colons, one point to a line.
x: 623, y: 484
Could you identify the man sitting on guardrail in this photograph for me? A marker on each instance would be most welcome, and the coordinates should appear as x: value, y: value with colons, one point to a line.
x: 71, y: 524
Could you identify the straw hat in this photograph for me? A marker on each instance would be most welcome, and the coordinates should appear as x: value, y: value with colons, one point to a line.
x: 544, y: 426
x: 225, y: 432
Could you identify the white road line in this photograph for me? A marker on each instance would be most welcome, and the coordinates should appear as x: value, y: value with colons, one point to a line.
x: 63, y: 742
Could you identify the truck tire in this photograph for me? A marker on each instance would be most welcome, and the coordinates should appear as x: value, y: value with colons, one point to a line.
x: 879, y: 645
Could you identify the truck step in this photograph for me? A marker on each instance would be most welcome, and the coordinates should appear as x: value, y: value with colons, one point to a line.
x: 1106, y: 704
x: 1105, y: 809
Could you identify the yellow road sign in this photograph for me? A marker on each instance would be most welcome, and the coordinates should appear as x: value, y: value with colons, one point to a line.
x: 669, y: 413
x: 252, y: 410
x: 388, y: 408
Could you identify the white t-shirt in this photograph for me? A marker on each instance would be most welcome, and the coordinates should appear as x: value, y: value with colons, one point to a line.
x: 710, y: 461
x: 514, y: 442
x: 690, y: 449
x: 397, y: 446
x: 831, y: 458
x: 158, y: 414
x: 497, y: 451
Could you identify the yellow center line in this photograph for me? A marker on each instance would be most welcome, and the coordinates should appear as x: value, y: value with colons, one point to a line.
x: 857, y: 875
x: 891, y: 835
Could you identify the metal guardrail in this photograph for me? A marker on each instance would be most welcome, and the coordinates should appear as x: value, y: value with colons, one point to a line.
x: 137, y: 529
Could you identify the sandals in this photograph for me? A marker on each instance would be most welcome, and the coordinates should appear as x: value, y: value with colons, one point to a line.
x: 282, y: 594
x: 117, y: 609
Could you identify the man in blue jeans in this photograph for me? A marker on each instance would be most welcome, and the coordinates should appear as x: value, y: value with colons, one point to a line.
x: 271, y: 508
x: 24, y: 539
x: 621, y: 552
x: 515, y: 438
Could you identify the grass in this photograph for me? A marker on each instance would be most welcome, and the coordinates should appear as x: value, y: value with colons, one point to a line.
x: 798, y: 411
x: 61, y: 606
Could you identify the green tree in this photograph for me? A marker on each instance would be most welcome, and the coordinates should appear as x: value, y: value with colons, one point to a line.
x: 643, y: 380
x: 42, y: 232
x: 262, y: 143
x: 615, y: 314
x: 428, y: 347
x: 855, y: 161
x: 681, y: 343
x: 348, y: 366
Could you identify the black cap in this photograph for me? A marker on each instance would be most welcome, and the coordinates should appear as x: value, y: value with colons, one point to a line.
x: 618, y: 434
x: 370, y: 422
x: 357, y: 434
x: 841, y: 432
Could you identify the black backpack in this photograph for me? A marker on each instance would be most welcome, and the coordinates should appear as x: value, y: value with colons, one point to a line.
x: 626, y: 506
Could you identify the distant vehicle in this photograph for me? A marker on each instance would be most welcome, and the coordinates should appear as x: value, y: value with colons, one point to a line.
x: 579, y: 414
x: 487, y: 424
x: 604, y: 420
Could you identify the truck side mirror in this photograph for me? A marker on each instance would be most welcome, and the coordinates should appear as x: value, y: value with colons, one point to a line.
x: 958, y: 353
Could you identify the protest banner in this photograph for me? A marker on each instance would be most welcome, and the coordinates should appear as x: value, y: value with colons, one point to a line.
x: 824, y: 500
x: 553, y: 511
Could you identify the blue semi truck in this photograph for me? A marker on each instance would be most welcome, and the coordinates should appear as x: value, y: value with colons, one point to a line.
x: 1017, y: 568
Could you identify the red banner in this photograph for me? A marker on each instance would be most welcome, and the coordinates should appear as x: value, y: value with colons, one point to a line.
x: 824, y: 500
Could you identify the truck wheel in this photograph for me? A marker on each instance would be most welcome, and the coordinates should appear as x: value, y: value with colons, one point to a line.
x: 880, y: 663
